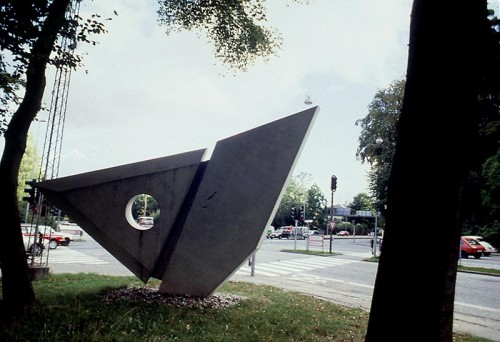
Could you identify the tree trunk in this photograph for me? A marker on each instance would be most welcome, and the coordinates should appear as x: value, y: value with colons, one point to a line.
x: 17, y: 289
x: 414, y: 293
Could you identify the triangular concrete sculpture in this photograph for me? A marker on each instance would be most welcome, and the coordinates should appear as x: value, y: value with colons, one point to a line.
x: 213, y: 213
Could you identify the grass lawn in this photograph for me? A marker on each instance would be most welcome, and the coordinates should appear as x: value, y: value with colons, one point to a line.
x: 88, y: 307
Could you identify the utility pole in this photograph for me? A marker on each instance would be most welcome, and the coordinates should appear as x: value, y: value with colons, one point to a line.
x: 333, y: 187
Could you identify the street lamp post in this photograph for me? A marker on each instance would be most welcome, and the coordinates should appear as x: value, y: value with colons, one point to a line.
x: 308, y: 100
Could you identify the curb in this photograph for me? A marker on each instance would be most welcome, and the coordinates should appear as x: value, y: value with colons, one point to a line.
x: 481, y: 273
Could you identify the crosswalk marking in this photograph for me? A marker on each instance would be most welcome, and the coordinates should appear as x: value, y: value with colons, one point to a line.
x: 315, y: 264
x: 286, y: 266
x: 279, y: 268
x: 69, y: 256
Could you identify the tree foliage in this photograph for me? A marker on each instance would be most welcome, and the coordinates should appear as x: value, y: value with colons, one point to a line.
x: 377, y: 142
x: 491, y: 191
x: 30, y: 166
x: 299, y: 192
x: 234, y: 27
x: 145, y: 205
x: 21, y: 27
x: 315, y: 206
x: 361, y: 201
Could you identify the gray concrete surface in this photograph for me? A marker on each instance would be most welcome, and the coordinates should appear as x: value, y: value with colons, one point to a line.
x: 239, y: 194
x: 97, y: 201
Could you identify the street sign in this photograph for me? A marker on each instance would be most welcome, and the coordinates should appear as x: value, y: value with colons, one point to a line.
x: 316, y: 240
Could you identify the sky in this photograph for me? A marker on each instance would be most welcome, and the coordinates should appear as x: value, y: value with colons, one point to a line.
x: 142, y: 94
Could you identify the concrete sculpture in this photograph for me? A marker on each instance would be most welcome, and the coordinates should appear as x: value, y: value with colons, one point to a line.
x: 213, y: 213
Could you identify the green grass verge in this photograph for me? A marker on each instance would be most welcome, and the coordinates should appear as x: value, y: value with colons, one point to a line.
x: 479, y: 269
x: 72, y: 307
x: 460, y: 268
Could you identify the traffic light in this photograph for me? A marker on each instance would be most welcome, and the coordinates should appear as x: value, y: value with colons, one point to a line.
x: 293, y: 212
x: 334, y: 183
x: 31, y: 199
x: 302, y: 212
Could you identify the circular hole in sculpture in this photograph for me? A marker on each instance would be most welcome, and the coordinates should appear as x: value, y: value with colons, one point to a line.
x: 142, y: 211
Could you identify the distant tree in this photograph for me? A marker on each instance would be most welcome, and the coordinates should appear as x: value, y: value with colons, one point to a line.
x: 295, y: 195
x: 315, y: 206
x: 144, y: 205
x: 301, y: 191
x: 491, y: 192
x: 364, y: 224
x: 491, y: 199
x: 377, y: 141
x: 361, y: 202
x: 30, y: 166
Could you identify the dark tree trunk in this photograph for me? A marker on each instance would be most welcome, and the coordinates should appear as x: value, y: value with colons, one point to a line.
x: 414, y: 293
x: 17, y: 289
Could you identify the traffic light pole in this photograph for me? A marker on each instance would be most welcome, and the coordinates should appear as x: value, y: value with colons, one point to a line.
x: 295, y: 236
x: 30, y: 200
x: 330, y: 226
x: 333, y: 187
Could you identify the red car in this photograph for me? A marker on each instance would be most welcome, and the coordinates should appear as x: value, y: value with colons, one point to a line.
x: 470, y: 246
x: 49, y: 235
x: 343, y: 233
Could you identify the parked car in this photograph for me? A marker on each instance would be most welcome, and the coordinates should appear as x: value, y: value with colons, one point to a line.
x: 71, y: 230
x: 489, y: 248
x: 145, y: 221
x: 281, y: 233
x: 48, y: 234
x: 301, y: 234
x: 343, y: 233
x: 470, y: 246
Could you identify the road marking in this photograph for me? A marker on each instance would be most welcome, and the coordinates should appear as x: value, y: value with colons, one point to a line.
x: 477, y: 307
x: 278, y: 268
x: 69, y: 256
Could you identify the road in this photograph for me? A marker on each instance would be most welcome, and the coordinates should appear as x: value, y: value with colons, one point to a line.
x: 345, y: 278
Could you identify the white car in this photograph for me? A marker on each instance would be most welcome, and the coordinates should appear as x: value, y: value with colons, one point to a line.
x: 71, y: 230
x: 489, y: 248
x: 145, y: 221
x: 46, y: 235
